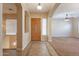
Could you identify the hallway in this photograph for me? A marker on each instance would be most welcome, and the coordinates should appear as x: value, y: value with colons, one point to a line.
x: 38, y: 49
x: 35, y: 29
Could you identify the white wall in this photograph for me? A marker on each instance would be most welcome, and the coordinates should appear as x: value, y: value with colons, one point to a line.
x: 1, y: 29
x: 61, y: 28
x: 49, y: 23
x: 75, y: 27
x: 26, y: 36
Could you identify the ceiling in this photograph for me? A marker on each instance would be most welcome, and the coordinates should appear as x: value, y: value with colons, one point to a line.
x: 9, y: 8
x: 72, y: 9
x: 32, y: 7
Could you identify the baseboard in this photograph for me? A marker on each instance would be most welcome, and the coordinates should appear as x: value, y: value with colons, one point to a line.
x: 26, y: 49
x: 66, y: 37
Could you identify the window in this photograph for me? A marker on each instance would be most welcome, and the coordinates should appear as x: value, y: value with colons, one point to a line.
x: 11, y: 26
x: 44, y: 27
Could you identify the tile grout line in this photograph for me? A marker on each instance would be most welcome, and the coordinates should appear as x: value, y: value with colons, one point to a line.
x: 53, y: 49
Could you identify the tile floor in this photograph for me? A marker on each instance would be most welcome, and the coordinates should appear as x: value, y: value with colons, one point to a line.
x: 38, y: 49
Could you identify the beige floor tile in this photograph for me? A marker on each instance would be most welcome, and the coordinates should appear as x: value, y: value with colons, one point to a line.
x: 38, y: 49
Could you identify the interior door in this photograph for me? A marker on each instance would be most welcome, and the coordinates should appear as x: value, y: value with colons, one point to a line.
x: 36, y: 29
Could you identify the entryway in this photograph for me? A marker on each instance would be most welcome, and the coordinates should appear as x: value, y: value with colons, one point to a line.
x: 36, y: 29
x: 38, y: 49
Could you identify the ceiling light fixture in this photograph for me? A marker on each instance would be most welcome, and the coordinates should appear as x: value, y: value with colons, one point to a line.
x: 67, y: 18
x: 39, y: 7
x: 10, y: 9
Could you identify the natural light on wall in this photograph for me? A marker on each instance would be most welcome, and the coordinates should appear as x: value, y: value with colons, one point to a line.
x: 44, y: 30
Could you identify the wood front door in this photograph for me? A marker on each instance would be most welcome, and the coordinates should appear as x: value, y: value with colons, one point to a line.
x: 36, y: 29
